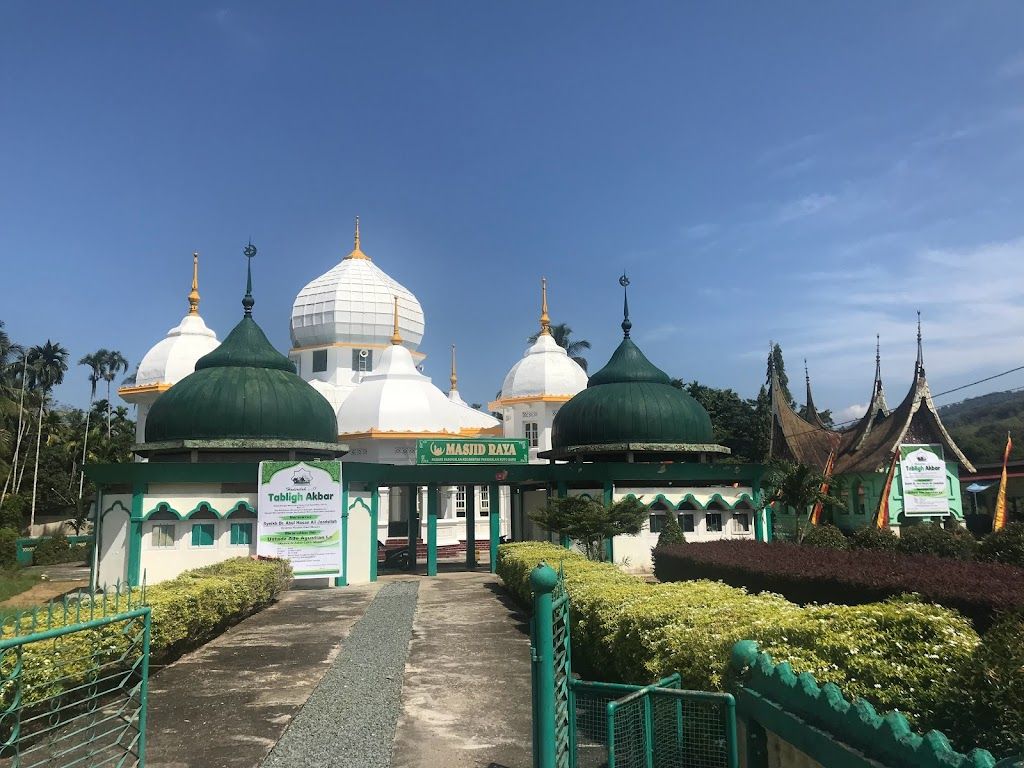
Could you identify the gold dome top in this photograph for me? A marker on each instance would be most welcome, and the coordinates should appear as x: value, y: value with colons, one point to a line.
x: 357, y: 252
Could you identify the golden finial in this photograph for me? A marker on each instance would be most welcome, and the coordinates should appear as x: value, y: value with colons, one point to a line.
x: 193, y: 296
x: 357, y: 252
x: 455, y: 377
x: 545, y: 321
x: 396, y: 337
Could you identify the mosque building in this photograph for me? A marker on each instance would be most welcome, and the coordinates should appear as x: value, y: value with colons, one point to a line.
x: 862, y: 456
x: 352, y: 388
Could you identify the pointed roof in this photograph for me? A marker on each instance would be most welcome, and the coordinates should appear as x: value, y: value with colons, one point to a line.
x: 868, y: 446
x: 792, y: 437
x: 812, y: 411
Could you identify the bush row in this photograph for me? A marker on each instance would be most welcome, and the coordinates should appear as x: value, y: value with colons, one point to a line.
x: 980, y: 591
x: 56, y: 549
x: 899, y: 654
x: 186, y: 612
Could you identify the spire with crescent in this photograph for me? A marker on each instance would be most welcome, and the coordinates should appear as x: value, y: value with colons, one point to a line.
x: 454, y: 377
x: 545, y: 321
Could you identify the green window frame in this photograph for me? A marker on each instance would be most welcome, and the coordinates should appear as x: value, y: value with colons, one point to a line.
x: 241, y: 534
x: 202, y: 534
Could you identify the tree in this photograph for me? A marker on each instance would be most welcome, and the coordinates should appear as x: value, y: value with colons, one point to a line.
x: 591, y: 523
x: 562, y: 334
x: 733, y: 419
x: 780, y: 372
x: 113, y: 363
x: 671, y: 533
x: 797, y: 487
x: 47, y: 365
x: 96, y: 363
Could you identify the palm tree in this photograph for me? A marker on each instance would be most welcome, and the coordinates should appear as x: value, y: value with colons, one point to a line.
x: 562, y: 334
x: 797, y: 487
x: 95, y: 362
x: 12, y: 478
x: 47, y: 365
x: 113, y: 363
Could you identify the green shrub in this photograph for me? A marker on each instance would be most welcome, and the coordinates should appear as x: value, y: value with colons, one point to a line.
x: 186, y: 612
x: 989, y: 710
x: 672, y: 533
x: 8, y: 550
x: 51, y: 550
x: 898, y: 654
x: 825, y: 537
x: 927, y: 539
x: 1005, y: 546
x: 870, y: 537
x: 14, y: 512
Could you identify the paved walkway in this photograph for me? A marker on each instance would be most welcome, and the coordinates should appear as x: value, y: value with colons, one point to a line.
x: 408, y: 672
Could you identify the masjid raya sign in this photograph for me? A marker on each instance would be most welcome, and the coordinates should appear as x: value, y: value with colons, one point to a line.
x: 478, y: 451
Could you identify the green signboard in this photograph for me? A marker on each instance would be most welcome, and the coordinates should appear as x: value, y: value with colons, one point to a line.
x: 479, y: 451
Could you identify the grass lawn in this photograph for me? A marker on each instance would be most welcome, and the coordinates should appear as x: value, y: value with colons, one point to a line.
x: 15, y: 582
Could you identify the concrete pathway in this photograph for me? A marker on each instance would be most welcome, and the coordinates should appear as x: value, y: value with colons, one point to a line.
x: 227, y: 704
x: 466, y: 700
x: 306, y: 679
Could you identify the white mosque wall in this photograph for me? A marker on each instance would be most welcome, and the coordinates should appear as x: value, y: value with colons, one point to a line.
x: 540, y: 413
x: 112, y: 557
x: 359, y: 545
x: 161, y: 563
x: 716, y: 522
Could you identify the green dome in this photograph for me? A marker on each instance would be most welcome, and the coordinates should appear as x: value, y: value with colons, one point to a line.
x: 243, y: 390
x: 630, y: 402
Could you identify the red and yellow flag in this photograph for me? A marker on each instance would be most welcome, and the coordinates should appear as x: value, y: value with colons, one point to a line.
x: 999, y: 517
x: 818, y: 506
x: 882, y: 513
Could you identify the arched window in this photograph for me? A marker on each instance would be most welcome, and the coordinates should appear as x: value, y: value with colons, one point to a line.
x: 713, y: 516
x: 686, y: 511
x: 658, y: 510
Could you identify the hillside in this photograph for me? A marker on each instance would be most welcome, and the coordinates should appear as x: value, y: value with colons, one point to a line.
x: 979, y: 425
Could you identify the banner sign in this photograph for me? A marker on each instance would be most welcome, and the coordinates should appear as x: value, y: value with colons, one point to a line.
x: 299, y: 516
x: 923, y: 478
x: 481, y: 451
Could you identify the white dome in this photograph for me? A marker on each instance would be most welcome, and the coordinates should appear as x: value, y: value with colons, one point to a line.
x: 352, y: 303
x: 398, y: 398
x: 545, y: 370
x: 174, y: 357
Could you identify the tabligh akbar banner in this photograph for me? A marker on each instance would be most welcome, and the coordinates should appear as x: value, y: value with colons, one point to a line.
x: 923, y: 478
x: 299, y: 516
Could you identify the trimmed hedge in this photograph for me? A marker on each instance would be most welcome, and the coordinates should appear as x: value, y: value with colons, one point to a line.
x: 870, y: 537
x: 980, y: 591
x: 186, y: 612
x: 8, y: 549
x: 899, y: 654
x: 1005, y: 546
x: 929, y: 539
x: 826, y: 537
x: 57, y: 549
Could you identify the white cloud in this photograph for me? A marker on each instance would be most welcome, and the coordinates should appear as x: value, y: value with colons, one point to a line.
x: 851, y: 412
x: 1012, y: 68
x: 808, y: 205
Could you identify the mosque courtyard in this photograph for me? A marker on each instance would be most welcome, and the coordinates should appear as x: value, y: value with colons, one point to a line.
x: 404, y: 672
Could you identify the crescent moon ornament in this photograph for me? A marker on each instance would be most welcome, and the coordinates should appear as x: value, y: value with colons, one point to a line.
x: 623, y: 281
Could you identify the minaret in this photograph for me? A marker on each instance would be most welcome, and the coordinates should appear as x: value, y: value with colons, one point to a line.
x: 454, y: 377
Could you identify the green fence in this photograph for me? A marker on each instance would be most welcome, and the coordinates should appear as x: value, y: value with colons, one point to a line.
x: 24, y: 547
x: 73, y: 682
x: 580, y: 724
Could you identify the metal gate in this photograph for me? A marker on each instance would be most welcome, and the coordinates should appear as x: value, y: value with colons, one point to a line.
x: 580, y: 724
x: 73, y: 683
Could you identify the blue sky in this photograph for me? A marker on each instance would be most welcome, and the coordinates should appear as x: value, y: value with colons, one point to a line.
x: 811, y: 173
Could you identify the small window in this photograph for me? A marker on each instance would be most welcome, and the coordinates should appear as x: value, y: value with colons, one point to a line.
x: 657, y: 520
x: 714, y: 521
x: 362, y: 360
x: 241, y: 534
x: 319, y: 360
x: 484, y: 506
x: 862, y: 504
x: 202, y: 534
x: 742, y: 522
x: 686, y: 522
x: 460, y: 501
x: 531, y: 433
x: 163, y: 535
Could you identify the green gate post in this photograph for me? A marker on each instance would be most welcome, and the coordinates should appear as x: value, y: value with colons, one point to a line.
x: 374, y: 514
x: 542, y: 581
x: 342, y: 581
x: 758, y: 514
x: 432, y: 529
x: 562, y: 492
x: 609, y: 544
x: 495, y: 522
x: 414, y: 524
x: 471, y: 527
